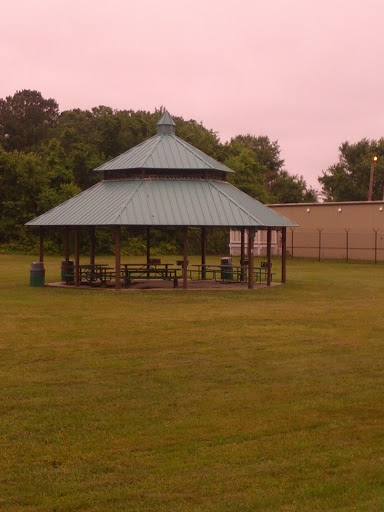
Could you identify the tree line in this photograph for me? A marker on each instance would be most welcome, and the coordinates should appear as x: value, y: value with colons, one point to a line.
x: 48, y: 156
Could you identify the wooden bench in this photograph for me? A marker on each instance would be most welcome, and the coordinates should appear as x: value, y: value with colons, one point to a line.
x: 262, y: 271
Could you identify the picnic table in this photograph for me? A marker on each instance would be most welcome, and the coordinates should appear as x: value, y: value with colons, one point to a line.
x: 230, y: 273
x: 95, y: 272
x: 218, y: 272
x: 131, y: 271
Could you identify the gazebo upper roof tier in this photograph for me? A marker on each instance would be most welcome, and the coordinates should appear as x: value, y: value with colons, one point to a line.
x: 164, y: 152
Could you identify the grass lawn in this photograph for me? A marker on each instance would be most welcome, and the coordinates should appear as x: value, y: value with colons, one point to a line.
x: 210, y: 401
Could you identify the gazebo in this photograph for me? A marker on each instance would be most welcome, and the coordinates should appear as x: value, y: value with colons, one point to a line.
x: 164, y: 182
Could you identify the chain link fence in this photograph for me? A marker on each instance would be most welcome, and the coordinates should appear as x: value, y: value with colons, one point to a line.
x: 346, y: 244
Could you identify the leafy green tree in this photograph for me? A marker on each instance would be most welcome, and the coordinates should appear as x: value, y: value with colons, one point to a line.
x: 26, y: 119
x: 288, y: 188
x: 83, y: 160
x: 266, y: 152
x: 136, y: 127
x: 59, y: 174
x: 348, y: 179
x: 79, y: 139
x: 21, y: 183
x: 76, y: 126
x: 107, y: 125
x: 246, y: 177
x: 30, y: 185
x: 89, y: 138
x: 255, y: 160
x: 260, y: 173
x: 199, y: 136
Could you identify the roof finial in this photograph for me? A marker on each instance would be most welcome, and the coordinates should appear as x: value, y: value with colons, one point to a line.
x: 166, y: 125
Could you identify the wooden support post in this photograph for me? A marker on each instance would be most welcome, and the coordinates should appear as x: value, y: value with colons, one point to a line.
x: 242, y: 254
x: 283, y: 255
x: 41, y: 250
x: 148, y: 248
x: 92, y: 246
x: 77, y: 257
x: 148, y: 253
x: 66, y: 243
x: 203, y: 252
x: 251, y: 242
x: 117, y: 257
x: 185, y: 259
x: 269, y: 262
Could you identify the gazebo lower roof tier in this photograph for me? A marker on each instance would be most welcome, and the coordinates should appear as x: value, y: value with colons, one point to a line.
x: 162, y: 202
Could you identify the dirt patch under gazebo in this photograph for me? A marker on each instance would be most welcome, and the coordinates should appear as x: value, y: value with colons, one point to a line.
x: 166, y: 285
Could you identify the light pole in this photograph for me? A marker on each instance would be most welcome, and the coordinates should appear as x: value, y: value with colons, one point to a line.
x: 373, y: 163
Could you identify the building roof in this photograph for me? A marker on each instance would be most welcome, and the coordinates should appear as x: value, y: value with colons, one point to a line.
x: 162, y: 202
x: 327, y: 204
x: 164, y: 151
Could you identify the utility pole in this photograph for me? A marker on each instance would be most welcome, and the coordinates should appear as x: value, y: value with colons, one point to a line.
x: 370, y: 191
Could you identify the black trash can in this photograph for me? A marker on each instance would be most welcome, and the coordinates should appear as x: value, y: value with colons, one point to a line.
x: 37, y: 275
x: 67, y: 271
x: 226, y: 269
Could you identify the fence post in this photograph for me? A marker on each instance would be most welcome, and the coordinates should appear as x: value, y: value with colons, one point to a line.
x: 284, y: 255
x: 375, y: 230
x: 347, y: 232
x: 292, y: 230
x: 320, y: 230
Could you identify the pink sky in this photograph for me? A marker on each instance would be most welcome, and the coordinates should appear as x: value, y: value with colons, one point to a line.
x: 307, y: 73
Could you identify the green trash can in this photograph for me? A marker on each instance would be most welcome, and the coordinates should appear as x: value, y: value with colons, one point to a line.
x: 67, y: 271
x: 37, y: 274
x: 226, y: 269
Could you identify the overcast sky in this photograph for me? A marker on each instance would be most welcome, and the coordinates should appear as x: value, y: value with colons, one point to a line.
x: 307, y: 73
